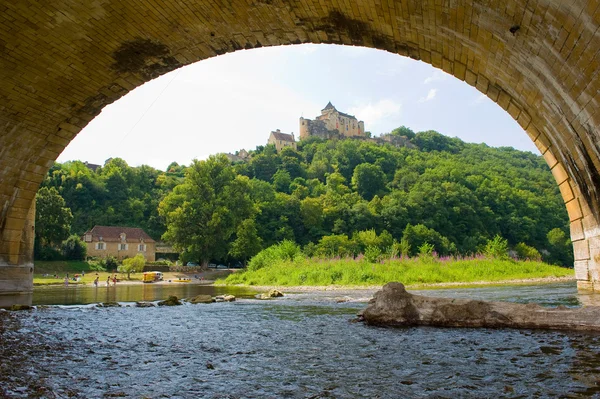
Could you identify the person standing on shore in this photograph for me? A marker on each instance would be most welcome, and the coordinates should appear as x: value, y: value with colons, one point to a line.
x: 108, y: 281
x: 96, y: 281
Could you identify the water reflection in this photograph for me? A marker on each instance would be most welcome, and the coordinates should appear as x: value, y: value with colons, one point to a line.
x: 82, y: 295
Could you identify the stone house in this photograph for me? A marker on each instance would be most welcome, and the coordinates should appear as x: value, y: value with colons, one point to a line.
x: 330, y: 123
x: 282, y: 140
x: 120, y: 242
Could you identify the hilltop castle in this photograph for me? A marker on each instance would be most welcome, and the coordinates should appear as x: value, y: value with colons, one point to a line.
x: 330, y: 123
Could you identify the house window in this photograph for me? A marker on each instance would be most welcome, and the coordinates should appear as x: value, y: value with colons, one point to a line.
x: 88, y: 238
x: 122, y: 247
x: 100, y: 245
x: 142, y: 248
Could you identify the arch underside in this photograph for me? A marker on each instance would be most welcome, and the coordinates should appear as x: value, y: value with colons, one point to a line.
x: 62, y: 62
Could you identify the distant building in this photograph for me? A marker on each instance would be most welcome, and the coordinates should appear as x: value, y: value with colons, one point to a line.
x: 120, y: 242
x: 91, y: 166
x: 282, y: 140
x: 240, y: 156
x: 331, y: 123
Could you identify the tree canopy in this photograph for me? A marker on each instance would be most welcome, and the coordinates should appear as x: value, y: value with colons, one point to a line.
x: 420, y: 187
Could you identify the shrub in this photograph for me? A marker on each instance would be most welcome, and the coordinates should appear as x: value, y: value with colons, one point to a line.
x: 525, y: 251
x: 426, y: 253
x: 285, y: 250
x: 372, y: 254
x: 73, y: 248
x: 496, y: 248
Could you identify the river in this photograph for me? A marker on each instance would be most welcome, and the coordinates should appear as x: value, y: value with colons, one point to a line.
x: 300, y: 346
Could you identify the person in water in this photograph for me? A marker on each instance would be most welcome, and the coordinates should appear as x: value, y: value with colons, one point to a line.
x: 108, y: 281
x: 96, y: 281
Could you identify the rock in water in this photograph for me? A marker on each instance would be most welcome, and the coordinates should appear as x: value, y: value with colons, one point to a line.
x: 201, y: 299
x: 170, y: 301
x: 271, y: 294
x: 144, y: 304
x: 394, y: 306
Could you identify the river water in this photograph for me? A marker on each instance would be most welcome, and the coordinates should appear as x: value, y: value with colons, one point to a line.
x: 300, y: 346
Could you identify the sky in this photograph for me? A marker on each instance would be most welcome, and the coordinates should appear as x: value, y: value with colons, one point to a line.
x: 235, y: 100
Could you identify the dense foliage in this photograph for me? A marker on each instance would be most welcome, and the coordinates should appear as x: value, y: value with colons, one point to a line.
x: 408, y: 188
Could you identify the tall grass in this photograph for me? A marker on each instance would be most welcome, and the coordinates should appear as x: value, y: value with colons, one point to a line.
x: 410, y: 271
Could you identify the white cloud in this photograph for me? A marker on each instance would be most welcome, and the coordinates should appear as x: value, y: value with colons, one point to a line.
x: 373, y: 113
x: 436, y: 77
x: 430, y: 96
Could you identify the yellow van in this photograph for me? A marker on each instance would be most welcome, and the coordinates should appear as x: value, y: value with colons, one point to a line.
x: 150, y: 277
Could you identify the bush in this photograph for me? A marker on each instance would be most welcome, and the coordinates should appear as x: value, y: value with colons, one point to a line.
x: 416, y: 236
x: 97, y: 265
x: 285, y: 250
x: 426, y: 253
x: 73, y: 248
x: 525, y: 251
x: 496, y: 248
x: 372, y: 254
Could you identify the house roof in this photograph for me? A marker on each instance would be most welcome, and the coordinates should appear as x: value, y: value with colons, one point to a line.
x: 113, y: 233
x: 283, y: 136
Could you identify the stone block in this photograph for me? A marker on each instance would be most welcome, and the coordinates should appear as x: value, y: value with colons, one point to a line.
x: 574, y: 210
x: 581, y: 250
x: 581, y: 270
x: 577, y: 230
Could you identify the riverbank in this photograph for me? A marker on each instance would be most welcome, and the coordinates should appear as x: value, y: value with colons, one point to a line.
x: 88, y: 277
x: 413, y: 272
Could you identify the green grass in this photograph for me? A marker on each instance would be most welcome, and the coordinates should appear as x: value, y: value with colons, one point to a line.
x: 61, y: 266
x: 414, y: 271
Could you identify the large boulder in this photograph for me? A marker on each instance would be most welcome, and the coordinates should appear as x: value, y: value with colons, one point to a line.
x: 201, y: 299
x: 394, y: 306
x: 170, y: 301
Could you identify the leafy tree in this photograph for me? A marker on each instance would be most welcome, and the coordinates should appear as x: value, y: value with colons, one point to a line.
x: 368, y: 180
x: 527, y: 252
x: 205, y: 211
x: 403, y: 131
x: 53, y: 217
x: 247, y: 242
x: 73, y: 248
x: 335, y: 245
x: 282, y: 181
x: 132, y: 265
x: 416, y: 236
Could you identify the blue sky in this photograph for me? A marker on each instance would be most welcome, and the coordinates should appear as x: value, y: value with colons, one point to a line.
x: 233, y: 101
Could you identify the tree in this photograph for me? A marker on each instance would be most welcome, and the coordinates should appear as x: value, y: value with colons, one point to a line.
x: 368, y: 180
x: 53, y: 217
x: 247, y: 242
x: 403, y: 131
x: 132, y: 265
x: 204, y: 212
x: 74, y: 248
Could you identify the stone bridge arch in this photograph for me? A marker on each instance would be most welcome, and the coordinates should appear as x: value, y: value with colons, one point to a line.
x: 63, y: 61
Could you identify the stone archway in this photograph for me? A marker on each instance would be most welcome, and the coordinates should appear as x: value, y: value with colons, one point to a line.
x: 63, y: 61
